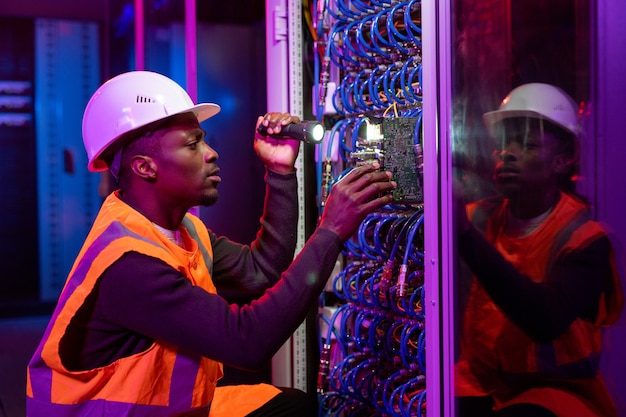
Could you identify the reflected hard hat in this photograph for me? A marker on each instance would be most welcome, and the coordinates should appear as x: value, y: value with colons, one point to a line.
x: 128, y: 102
x: 537, y: 100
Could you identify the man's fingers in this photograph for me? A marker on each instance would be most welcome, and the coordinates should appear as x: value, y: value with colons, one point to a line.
x: 363, y: 175
x: 367, y: 181
x: 377, y: 203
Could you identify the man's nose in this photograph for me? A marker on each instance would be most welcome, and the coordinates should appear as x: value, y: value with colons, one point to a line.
x: 210, y: 154
x: 508, y: 152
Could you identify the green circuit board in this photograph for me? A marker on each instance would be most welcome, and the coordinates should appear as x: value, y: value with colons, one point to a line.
x: 402, y: 156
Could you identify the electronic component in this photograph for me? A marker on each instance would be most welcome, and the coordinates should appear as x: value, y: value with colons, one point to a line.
x: 394, y: 143
x: 402, y: 157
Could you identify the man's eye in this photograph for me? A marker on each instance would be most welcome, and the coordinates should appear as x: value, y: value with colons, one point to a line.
x: 530, y: 145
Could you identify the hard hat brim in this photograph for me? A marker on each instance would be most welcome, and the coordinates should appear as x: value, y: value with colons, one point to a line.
x: 202, y: 111
x: 493, y: 117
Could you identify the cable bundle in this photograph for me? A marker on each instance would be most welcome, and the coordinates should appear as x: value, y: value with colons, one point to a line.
x: 368, y: 67
x: 373, y: 346
x: 376, y: 46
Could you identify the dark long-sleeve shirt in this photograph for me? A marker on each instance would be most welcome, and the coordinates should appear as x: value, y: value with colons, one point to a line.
x: 140, y: 299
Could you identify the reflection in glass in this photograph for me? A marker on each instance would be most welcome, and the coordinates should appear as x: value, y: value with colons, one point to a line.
x: 536, y: 278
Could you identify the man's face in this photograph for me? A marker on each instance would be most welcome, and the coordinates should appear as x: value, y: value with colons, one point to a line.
x: 525, y: 158
x: 187, y: 169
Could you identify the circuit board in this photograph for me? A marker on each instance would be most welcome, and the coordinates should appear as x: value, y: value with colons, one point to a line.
x: 402, y: 156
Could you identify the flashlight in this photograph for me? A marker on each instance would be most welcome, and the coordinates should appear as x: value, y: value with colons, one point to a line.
x: 306, y: 131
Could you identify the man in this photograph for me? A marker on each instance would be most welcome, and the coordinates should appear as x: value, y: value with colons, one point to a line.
x: 546, y: 281
x: 139, y: 328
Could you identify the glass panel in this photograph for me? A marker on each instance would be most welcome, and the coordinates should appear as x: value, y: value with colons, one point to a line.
x: 535, y: 282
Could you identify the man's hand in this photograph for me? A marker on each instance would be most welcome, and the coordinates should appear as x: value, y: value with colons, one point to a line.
x: 360, y: 192
x: 279, y: 155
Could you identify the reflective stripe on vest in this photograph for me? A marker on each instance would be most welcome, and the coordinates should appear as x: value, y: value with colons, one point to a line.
x: 193, y: 232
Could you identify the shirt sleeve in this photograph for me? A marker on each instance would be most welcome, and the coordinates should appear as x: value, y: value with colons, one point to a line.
x: 147, y: 297
x: 250, y: 269
x: 543, y: 310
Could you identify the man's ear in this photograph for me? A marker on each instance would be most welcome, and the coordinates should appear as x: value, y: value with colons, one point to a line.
x: 562, y: 163
x: 144, y: 167
x: 558, y: 163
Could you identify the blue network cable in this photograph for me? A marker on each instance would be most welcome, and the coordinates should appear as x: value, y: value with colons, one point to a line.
x: 374, y: 345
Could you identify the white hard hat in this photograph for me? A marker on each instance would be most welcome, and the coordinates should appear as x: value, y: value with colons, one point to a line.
x: 537, y: 100
x: 128, y: 102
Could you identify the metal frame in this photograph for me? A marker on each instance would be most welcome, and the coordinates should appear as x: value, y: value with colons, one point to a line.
x: 284, y: 63
x: 439, y: 243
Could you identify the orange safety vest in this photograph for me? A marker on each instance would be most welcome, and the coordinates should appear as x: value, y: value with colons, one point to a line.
x: 161, y: 381
x: 499, y: 359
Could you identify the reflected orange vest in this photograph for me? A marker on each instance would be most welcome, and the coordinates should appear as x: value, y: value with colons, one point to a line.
x: 161, y: 381
x: 498, y: 358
